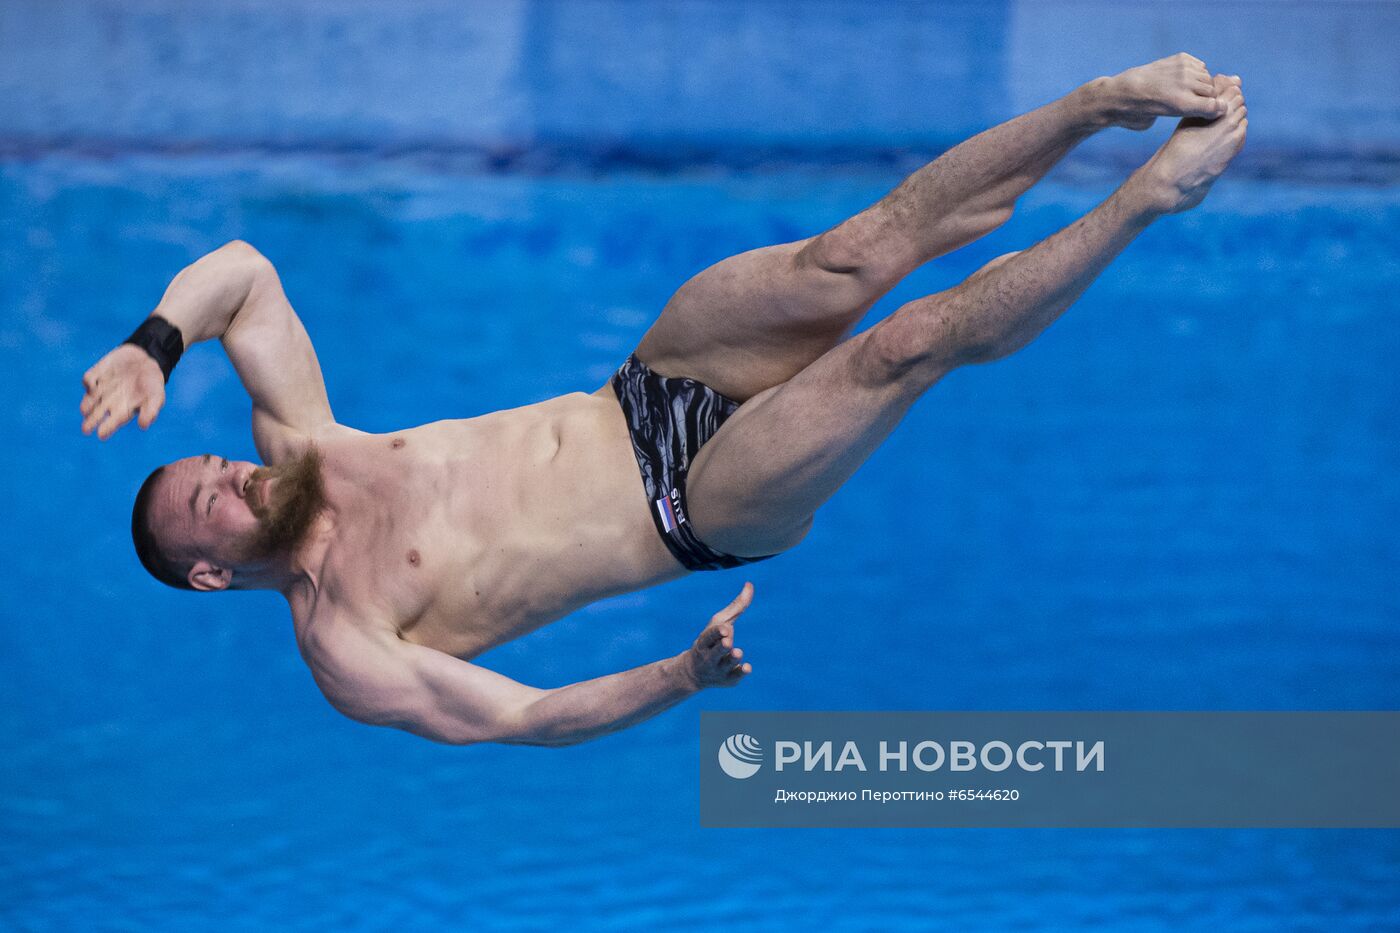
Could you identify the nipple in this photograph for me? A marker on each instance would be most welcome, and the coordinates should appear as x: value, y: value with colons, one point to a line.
x: 413, y: 557
x: 396, y: 443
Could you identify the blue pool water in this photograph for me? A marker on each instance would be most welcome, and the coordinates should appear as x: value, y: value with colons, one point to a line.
x: 1182, y: 497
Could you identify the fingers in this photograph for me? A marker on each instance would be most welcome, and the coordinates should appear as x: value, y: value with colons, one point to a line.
x: 731, y: 668
x: 92, y: 407
x: 96, y: 411
x: 718, y: 661
x: 116, y: 417
x: 736, y: 606
x: 149, y: 409
x: 91, y: 395
x: 718, y: 640
x: 112, y: 398
x: 107, y: 416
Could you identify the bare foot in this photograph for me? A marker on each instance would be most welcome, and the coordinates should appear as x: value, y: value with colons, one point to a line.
x: 1178, y: 86
x: 1178, y: 176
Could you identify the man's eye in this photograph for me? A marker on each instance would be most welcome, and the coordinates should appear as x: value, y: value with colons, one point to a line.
x: 223, y: 466
x: 210, y: 507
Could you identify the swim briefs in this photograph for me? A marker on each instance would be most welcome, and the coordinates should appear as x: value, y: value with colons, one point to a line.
x: 670, y: 419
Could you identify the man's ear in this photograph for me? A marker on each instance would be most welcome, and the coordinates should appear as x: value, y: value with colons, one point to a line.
x: 208, y: 578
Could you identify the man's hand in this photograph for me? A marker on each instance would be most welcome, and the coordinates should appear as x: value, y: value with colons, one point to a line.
x: 123, y: 382
x: 714, y: 661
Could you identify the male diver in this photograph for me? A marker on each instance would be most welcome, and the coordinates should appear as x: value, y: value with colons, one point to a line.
x: 745, y: 406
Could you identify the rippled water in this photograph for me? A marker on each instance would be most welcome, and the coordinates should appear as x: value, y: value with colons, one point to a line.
x: 1183, y: 496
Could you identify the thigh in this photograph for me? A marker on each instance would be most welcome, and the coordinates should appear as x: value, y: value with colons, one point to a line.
x: 754, y: 487
x: 754, y: 320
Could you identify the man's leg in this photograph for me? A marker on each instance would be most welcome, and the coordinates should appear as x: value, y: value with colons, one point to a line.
x: 753, y: 488
x: 756, y: 319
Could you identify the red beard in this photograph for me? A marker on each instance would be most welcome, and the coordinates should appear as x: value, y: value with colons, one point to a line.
x: 297, y: 497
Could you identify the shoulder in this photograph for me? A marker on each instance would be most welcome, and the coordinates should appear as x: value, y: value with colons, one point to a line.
x: 359, y: 667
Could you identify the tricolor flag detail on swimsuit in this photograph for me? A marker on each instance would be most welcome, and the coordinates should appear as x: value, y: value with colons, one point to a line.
x: 670, y: 515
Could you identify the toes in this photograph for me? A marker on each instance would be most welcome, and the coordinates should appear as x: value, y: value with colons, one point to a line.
x: 1209, y: 108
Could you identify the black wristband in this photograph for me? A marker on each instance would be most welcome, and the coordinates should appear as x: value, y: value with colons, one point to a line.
x: 162, y: 340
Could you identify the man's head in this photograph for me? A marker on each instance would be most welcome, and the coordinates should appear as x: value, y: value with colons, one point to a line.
x: 200, y: 522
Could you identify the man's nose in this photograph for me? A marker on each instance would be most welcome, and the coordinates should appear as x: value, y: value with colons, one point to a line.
x: 237, y: 475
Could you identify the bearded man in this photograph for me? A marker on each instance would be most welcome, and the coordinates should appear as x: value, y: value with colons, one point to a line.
x: 744, y: 408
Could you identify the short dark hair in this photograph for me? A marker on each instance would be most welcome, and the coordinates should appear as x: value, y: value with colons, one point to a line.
x: 148, y: 548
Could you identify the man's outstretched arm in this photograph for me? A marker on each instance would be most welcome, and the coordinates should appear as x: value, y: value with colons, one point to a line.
x: 232, y: 294
x: 447, y: 700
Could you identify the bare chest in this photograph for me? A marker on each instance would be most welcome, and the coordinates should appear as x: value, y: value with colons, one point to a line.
x: 460, y: 541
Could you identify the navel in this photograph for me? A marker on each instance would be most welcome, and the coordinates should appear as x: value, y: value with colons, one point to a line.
x: 414, y: 558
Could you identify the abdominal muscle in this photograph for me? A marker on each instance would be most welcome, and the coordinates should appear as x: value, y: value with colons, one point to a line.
x: 462, y: 535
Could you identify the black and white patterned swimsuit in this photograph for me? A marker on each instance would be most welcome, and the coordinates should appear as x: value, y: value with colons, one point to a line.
x: 669, y: 420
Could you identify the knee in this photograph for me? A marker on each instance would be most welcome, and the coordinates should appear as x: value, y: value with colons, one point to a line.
x: 926, y: 339
x: 1001, y: 260
x: 797, y: 535
x: 841, y: 252
x: 977, y: 222
x: 831, y: 252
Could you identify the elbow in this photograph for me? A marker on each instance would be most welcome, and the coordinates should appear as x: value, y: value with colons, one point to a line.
x: 245, y: 256
x: 240, y: 249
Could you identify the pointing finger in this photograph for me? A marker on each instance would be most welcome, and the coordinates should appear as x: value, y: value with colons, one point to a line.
x: 736, y: 606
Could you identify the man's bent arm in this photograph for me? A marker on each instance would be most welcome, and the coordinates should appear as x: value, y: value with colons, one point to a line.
x: 448, y: 700
x: 232, y: 294
x: 204, y: 297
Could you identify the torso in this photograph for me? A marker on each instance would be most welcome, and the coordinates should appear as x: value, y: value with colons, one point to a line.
x: 461, y: 535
